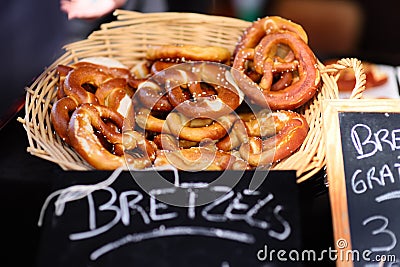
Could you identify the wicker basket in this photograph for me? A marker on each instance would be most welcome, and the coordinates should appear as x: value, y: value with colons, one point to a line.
x: 127, y: 39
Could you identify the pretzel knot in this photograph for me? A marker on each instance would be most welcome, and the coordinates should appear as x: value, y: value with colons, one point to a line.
x: 87, y: 82
x: 299, y: 77
x: 117, y: 95
x: 274, y: 53
x: 81, y: 79
x: 268, y: 25
x: 291, y: 130
x: 95, y: 132
x: 196, y: 89
x: 184, y: 128
x: 184, y: 53
x: 200, y: 158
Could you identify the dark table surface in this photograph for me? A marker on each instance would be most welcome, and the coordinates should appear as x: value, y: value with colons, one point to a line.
x: 26, y: 181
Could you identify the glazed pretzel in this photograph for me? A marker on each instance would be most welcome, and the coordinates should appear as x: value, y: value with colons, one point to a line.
x: 117, y: 95
x: 184, y: 53
x: 60, y: 116
x: 253, y: 34
x: 286, y: 96
x: 291, y: 130
x: 171, y: 143
x: 200, y: 158
x: 159, y: 65
x: 179, y: 126
x: 153, y: 96
x: 100, y: 144
x: 203, y: 90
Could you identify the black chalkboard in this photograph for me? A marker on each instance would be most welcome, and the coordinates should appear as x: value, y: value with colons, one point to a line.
x: 362, y: 141
x: 371, y: 157
x: 121, y: 225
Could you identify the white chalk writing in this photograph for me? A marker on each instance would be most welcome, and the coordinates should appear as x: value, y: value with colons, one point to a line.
x: 368, y: 143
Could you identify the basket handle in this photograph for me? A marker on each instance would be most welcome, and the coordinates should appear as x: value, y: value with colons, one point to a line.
x: 359, y: 73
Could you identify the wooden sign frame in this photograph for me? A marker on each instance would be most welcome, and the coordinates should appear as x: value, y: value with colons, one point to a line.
x: 335, y: 165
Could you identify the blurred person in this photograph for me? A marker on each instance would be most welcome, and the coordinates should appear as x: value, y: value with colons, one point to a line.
x: 94, y: 9
x: 89, y: 9
x: 86, y: 16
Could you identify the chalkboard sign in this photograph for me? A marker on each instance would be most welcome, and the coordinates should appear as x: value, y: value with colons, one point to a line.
x: 363, y: 168
x: 121, y: 225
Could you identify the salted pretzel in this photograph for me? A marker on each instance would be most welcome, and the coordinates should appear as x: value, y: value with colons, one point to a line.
x: 202, y: 90
x: 199, y: 158
x: 60, y: 116
x: 62, y: 72
x: 160, y: 65
x: 179, y: 125
x: 258, y: 29
x: 288, y: 96
x: 152, y: 93
x: 100, y: 144
x: 183, y: 53
x: 141, y: 70
x: 153, y: 96
x: 291, y: 131
x: 108, y: 66
x: 89, y: 82
x: 170, y: 142
x: 117, y: 95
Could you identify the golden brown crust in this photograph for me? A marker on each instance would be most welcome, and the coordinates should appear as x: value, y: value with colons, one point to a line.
x: 267, y: 63
x: 291, y: 130
x: 188, y: 52
x: 253, y: 34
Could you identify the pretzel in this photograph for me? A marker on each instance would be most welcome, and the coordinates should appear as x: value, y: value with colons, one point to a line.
x: 80, y: 79
x: 212, y: 93
x: 253, y: 34
x: 285, y: 79
x: 294, y: 95
x: 62, y: 71
x: 141, y: 70
x: 199, y: 158
x: 291, y: 130
x: 60, y: 116
x: 179, y: 125
x: 184, y: 53
x: 263, y: 124
x: 170, y: 142
x: 159, y: 65
x: 237, y: 136
x: 106, y: 66
x: 116, y: 94
x: 153, y: 96
x: 92, y: 138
